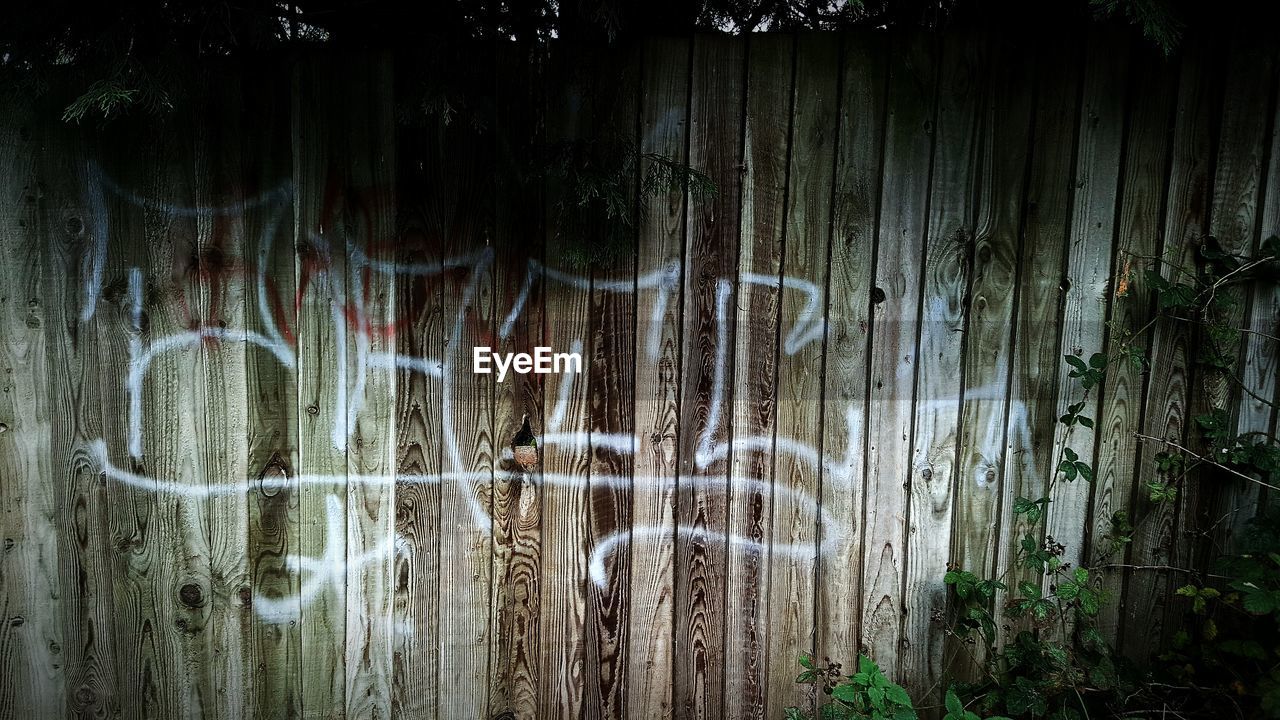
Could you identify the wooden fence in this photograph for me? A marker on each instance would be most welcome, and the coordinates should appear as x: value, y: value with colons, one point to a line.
x: 246, y: 469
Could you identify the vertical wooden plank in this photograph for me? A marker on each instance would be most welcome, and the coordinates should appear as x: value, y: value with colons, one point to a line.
x: 711, y: 258
x: 323, y: 387
x: 770, y: 70
x: 895, y: 324
x: 463, y: 217
x: 32, y: 637
x: 1138, y: 236
x: 370, y: 302
x: 1033, y: 404
x: 420, y: 344
x: 72, y: 233
x: 1234, y: 223
x: 1159, y: 540
x: 1261, y: 364
x: 168, y: 575
x: 609, y: 365
x: 939, y: 368
x: 272, y: 391
x: 566, y: 463
x: 1088, y: 271
x: 664, y: 131
x: 797, y: 520
x: 221, y: 419
x: 989, y: 348
x: 856, y: 197
x: 519, y: 238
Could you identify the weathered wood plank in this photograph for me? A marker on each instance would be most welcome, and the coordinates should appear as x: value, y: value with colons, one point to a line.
x: 711, y: 258
x: 797, y: 520
x: 770, y: 60
x: 1162, y: 540
x: 519, y: 239
x: 664, y: 108
x: 271, y: 386
x: 1138, y: 234
x: 217, y: 297
x: 32, y: 665
x: 166, y: 584
x: 324, y: 384
x: 982, y: 474
x: 1033, y: 403
x: 420, y: 342
x: 909, y: 136
x: 463, y: 218
x: 369, y: 225
x: 610, y: 350
x: 1088, y: 271
x: 567, y: 461
x: 70, y: 229
x: 856, y: 199
x: 939, y: 373
x: 1234, y: 223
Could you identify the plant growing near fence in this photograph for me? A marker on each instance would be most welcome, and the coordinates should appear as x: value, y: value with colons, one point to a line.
x: 866, y: 694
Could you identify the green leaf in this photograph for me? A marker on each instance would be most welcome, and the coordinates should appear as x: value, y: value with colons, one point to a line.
x: 1077, y: 363
x: 1260, y: 603
x: 1028, y: 590
x: 1098, y: 360
x: 1085, y: 471
x: 866, y: 665
x: 954, y: 706
x: 806, y: 660
x: 898, y: 695
x: 1087, y: 422
x: 845, y: 692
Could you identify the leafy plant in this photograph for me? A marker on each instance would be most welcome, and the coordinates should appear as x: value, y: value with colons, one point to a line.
x: 865, y: 695
x: 1226, y: 658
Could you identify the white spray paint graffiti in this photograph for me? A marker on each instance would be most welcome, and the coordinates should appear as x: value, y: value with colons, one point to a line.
x: 330, y: 567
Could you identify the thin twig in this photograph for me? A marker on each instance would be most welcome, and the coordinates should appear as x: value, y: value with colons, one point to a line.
x: 1158, y: 568
x: 1233, y: 471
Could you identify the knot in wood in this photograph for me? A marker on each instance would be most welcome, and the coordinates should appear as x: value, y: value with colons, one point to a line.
x: 191, y: 595
x: 85, y: 695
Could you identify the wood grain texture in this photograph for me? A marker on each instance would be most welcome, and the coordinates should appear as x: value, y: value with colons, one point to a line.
x: 986, y: 421
x: 757, y: 318
x: 1088, y: 272
x: 1234, y: 218
x: 1138, y: 231
x: 324, y: 384
x: 909, y: 143
x: 664, y: 118
x: 520, y: 239
x: 271, y: 387
x: 371, y: 451
x: 1036, y: 363
x: 1164, y: 540
x: 222, y: 421
x: 70, y: 222
x: 931, y: 478
x: 466, y: 540
x: 168, y: 580
x: 32, y: 637
x: 800, y: 384
x: 711, y: 258
x: 856, y: 201
x: 420, y: 333
x: 804, y: 394
x: 609, y: 357
x: 562, y: 675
